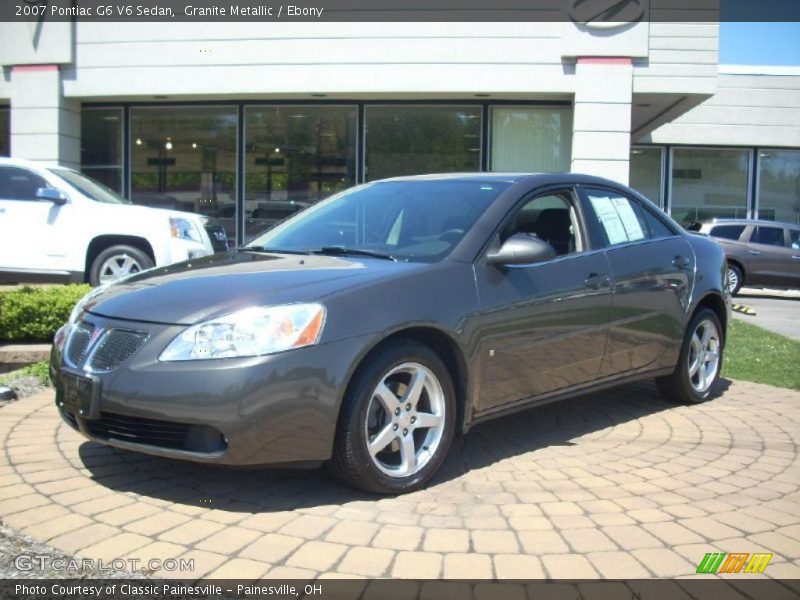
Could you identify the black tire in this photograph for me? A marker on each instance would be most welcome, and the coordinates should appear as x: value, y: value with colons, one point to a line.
x: 351, y: 461
x: 678, y: 386
x: 735, y: 271
x: 142, y: 260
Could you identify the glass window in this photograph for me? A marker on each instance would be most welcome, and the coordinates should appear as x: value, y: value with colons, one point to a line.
x: 19, y: 184
x: 794, y: 238
x: 5, y: 132
x: 101, y: 145
x: 89, y: 187
x: 656, y: 227
x: 727, y: 232
x: 779, y: 185
x: 410, y: 140
x: 184, y: 158
x: 621, y: 219
x: 550, y: 218
x: 645, y: 172
x: 295, y: 156
x: 769, y: 236
x: 708, y: 183
x: 531, y: 139
x: 411, y: 220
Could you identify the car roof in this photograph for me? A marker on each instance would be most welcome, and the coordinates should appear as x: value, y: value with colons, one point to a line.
x: 28, y: 164
x: 530, y: 178
x: 725, y: 221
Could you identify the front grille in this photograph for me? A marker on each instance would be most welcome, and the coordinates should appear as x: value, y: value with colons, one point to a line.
x: 218, y: 237
x: 164, y: 434
x: 117, y: 346
x: 79, y: 342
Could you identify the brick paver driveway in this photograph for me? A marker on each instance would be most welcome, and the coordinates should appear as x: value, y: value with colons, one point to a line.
x: 615, y: 485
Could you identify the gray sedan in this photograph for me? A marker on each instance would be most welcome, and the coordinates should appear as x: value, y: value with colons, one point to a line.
x: 368, y: 330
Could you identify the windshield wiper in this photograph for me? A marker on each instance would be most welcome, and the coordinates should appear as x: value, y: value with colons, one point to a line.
x: 342, y: 250
x: 271, y: 250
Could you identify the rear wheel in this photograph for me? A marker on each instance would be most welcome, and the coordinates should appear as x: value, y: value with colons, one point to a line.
x: 699, y: 363
x: 735, y: 279
x: 397, y: 421
x: 117, y: 262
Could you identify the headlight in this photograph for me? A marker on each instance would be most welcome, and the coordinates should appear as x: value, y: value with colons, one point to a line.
x: 184, y: 229
x: 250, y: 332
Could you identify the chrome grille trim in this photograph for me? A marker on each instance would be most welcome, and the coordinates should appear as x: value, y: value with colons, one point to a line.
x: 78, y: 343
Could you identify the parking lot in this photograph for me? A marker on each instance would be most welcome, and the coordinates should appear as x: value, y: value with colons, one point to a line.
x: 776, y: 310
x: 618, y: 484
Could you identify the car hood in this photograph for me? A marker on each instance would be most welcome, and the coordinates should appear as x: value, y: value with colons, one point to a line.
x: 188, y: 292
x: 144, y: 212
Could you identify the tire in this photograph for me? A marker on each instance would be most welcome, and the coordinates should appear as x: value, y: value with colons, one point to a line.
x: 128, y: 260
x: 683, y: 386
x: 365, y: 415
x: 735, y: 279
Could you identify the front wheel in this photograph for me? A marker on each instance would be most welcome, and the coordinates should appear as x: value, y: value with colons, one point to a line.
x: 397, y: 421
x: 699, y: 363
x: 117, y: 262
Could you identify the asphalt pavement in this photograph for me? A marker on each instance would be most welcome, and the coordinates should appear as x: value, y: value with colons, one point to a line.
x: 776, y: 310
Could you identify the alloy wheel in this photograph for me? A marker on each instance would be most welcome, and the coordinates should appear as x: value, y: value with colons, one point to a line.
x: 117, y: 267
x: 733, y: 280
x: 405, y: 420
x: 704, y: 355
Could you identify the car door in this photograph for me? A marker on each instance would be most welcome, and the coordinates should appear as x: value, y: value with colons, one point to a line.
x: 652, y: 265
x: 769, y: 256
x: 543, y: 325
x: 23, y: 219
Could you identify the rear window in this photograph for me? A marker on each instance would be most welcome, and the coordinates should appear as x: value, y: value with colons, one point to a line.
x: 727, y: 232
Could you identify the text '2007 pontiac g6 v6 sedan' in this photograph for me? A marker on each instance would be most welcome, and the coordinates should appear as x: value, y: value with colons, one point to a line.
x: 366, y: 331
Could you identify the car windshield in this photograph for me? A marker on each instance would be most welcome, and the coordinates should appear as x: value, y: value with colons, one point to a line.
x: 416, y: 220
x: 89, y: 187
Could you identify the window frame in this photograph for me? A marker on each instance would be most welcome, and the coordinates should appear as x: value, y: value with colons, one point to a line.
x: 364, y: 137
x: 492, y: 243
x: 786, y: 238
x: 489, y: 133
x: 751, y: 158
x: 718, y: 225
x: 661, y: 201
x: 599, y: 233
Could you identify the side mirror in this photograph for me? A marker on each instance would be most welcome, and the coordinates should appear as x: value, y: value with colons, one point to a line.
x: 522, y: 249
x: 51, y: 195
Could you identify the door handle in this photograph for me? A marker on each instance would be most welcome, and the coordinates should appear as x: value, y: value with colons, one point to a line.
x: 595, y: 281
x: 754, y: 252
x: 681, y: 262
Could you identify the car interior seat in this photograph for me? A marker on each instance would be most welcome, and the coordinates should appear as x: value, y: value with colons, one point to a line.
x: 555, y: 227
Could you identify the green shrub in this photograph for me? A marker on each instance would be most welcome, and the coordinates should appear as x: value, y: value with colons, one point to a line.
x: 40, y: 370
x: 34, y: 314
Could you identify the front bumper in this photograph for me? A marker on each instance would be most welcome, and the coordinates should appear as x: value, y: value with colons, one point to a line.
x: 180, y: 250
x: 281, y: 408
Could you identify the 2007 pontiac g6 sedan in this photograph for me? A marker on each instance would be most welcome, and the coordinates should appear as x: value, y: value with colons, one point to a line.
x: 366, y: 331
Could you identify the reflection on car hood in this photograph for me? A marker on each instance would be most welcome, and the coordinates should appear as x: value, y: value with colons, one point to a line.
x: 188, y: 292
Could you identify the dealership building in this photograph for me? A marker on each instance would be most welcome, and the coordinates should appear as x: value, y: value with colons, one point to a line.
x: 248, y: 122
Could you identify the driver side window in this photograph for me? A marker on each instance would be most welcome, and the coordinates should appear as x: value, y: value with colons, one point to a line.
x: 19, y: 184
x: 550, y: 217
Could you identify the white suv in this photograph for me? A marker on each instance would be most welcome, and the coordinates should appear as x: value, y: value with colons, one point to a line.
x: 58, y: 224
